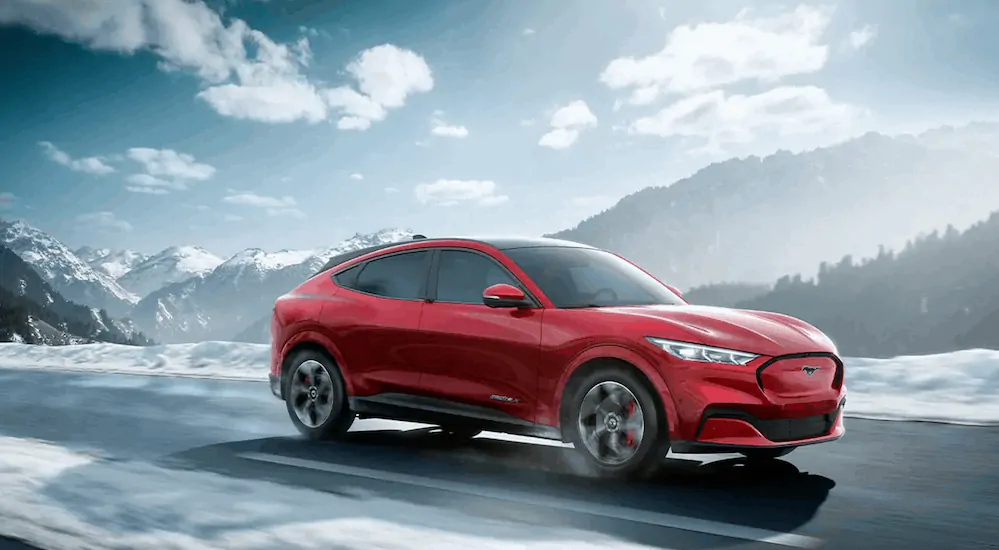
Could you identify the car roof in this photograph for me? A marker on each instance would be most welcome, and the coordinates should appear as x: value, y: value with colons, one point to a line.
x: 499, y: 243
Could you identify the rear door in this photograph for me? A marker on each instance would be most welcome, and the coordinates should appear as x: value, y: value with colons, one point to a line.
x: 472, y: 353
x: 375, y: 321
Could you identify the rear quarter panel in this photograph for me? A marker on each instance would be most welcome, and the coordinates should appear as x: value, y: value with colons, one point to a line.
x: 297, y: 319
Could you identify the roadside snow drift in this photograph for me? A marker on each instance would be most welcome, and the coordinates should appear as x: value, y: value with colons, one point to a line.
x: 221, y: 360
x: 58, y: 499
x: 959, y: 387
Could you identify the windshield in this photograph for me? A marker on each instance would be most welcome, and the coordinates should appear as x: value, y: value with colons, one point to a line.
x: 586, y: 277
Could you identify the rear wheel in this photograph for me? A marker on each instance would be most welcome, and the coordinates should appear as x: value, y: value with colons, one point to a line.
x: 316, y: 396
x: 766, y: 454
x: 615, y: 423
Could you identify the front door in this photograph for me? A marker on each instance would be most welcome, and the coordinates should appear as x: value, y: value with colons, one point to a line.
x: 472, y: 353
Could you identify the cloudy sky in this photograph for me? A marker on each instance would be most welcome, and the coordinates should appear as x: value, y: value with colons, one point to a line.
x: 296, y: 123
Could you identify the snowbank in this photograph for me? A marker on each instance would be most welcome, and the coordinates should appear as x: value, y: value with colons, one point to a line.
x: 58, y: 499
x: 219, y: 360
x: 959, y: 387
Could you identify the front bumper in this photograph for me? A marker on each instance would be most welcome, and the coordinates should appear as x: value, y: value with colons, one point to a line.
x: 731, y: 430
x: 275, y: 382
x: 772, y: 402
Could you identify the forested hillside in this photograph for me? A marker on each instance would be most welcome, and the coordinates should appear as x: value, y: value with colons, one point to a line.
x: 32, y: 311
x: 940, y: 293
x: 756, y: 219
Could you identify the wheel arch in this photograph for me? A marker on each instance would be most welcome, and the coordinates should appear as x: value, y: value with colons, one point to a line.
x: 313, y: 340
x: 602, y: 356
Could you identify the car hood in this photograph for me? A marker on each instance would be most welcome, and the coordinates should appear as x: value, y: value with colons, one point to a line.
x: 759, y: 332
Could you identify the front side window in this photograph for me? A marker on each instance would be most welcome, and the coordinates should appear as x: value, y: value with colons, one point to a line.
x: 586, y: 277
x: 400, y: 276
x: 462, y: 276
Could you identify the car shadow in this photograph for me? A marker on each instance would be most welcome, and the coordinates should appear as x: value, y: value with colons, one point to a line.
x: 777, y: 496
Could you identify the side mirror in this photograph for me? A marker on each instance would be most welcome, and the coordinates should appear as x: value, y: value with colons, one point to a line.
x: 503, y: 295
x: 674, y: 290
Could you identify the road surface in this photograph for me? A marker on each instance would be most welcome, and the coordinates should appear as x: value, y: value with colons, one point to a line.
x: 886, y: 485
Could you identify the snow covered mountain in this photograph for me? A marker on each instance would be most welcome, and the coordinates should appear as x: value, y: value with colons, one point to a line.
x: 113, y: 263
x: 73, y: 278
x: 32, y: 311
x: 237, y: 293
x: 173, y: 265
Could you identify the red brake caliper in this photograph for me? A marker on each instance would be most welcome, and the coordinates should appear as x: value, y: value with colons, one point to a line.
x: 630, y: 434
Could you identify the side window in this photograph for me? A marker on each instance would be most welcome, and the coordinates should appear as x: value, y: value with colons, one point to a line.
x: 463, y: 276
x: 399, y: 276
x: 348, y: 277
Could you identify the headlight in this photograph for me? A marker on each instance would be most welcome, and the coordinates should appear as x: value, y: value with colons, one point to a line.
x: 703, y: 354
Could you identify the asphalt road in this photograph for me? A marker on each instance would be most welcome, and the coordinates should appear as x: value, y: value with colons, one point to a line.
x: 886, y: 485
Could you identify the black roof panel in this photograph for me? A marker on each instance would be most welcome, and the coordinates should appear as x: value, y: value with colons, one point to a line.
x: 507, y: 243
x: 500, y: 243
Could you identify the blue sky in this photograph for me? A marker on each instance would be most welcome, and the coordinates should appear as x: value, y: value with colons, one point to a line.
x: 295, y: 123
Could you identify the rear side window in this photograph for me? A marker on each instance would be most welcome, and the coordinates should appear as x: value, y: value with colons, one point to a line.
x: 348, y: 277
x: 462, y: 276
x: 400, y: 276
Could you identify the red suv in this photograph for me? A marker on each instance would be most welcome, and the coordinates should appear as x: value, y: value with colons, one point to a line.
x: 552, y: 339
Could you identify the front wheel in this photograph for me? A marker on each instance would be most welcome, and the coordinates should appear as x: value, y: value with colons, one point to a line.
x: 316, y: 396
x: 615, y: 423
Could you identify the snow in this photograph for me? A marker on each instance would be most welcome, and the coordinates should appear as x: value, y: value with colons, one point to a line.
x: 960, y: 387
x: 60, y: 499
x: 56, y: 263
x: 269, y: 261
x: 221, y: 360
x: 113, y: 263
x: 173, y: 265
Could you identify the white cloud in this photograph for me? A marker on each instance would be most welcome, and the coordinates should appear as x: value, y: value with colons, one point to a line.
x: 233, y: 218
x: 246, y: 74
x: 861, y: 37
x: 356, y: 176
x: 567, y: 123
x: 105, y: 221
x: 273, y: 206
x: 167, y: 163
x: 442, y: 129
x: 710, y: 55
x: 89, y: 165
x: 6, y: 200
x: 527, y: 122
x: 528, y: 32
x: 720, y: 119
x: 150, y: 183
x: 276, y: 102
x: 146, y: 190
x: 391, y: 190
x: 451, y: 192
x: 385, y: 76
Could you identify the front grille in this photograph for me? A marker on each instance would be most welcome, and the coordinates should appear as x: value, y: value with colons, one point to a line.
x: 791, y: 429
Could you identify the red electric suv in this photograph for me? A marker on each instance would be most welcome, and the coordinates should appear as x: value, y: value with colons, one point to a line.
x: 552, y: 339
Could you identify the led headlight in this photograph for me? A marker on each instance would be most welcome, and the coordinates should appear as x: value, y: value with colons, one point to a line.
x: 703, y: 354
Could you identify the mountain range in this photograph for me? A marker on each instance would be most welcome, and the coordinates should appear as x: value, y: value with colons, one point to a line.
x: 725, y: 234
x: 32, y: 311
x: 754, y: 220
x: 182, y: 294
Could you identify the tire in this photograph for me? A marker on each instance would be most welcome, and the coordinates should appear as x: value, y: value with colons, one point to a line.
x: 313, y: 386
x: 616, y: 388
x: 766, y: 454
x: 459, y: 433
